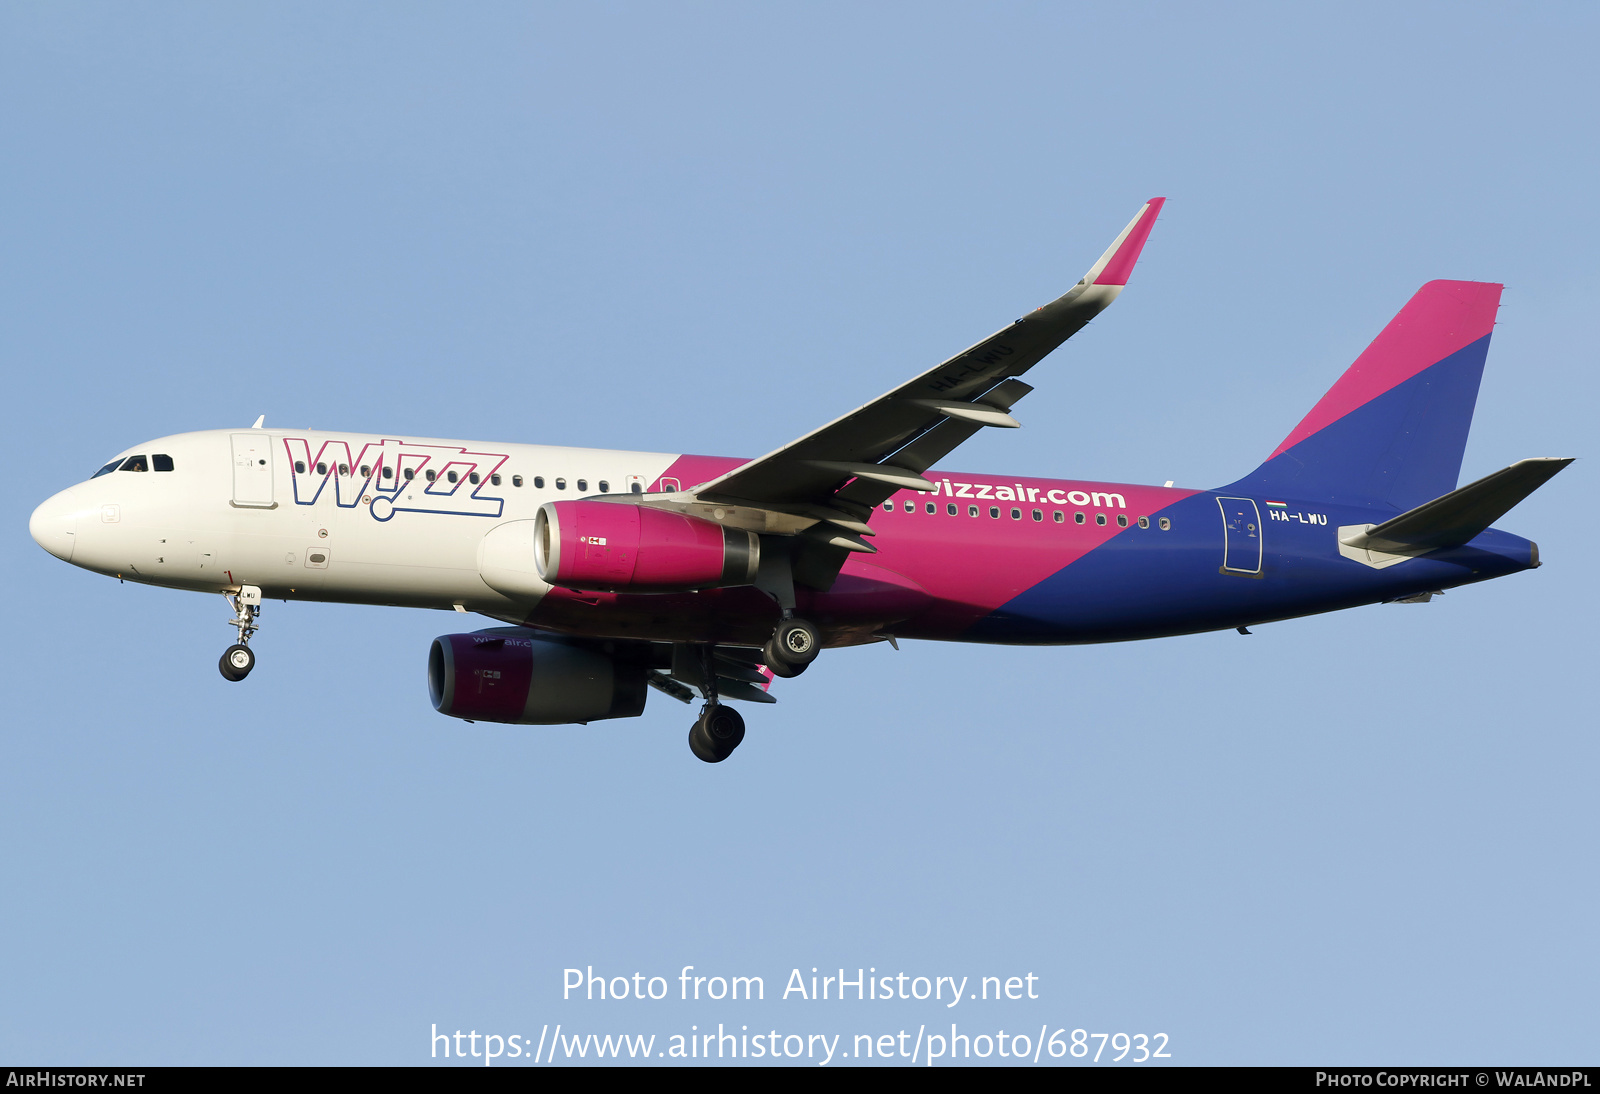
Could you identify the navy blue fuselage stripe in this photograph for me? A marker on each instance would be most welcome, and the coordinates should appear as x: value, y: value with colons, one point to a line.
x: 1146, y: 583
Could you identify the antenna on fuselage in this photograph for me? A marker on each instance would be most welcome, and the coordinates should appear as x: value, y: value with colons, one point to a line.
x: 259, y: 421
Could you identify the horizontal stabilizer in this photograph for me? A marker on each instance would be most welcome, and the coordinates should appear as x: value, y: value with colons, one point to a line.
x: 1458, y: 516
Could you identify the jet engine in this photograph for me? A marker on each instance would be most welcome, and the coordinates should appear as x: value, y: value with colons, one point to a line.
x: 623, y: 547
x: 511, y: 675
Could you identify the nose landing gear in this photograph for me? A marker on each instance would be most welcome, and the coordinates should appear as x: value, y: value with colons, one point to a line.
x: 237, y: 659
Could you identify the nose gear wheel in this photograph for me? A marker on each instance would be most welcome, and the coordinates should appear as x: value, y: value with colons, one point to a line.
x: 238, y: 659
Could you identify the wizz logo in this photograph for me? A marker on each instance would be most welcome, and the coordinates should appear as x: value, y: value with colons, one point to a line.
x: 390, y: 477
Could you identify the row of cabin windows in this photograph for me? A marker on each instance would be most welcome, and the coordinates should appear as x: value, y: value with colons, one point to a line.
x: 1038, y: 514
x: 159, y: 462
x: 387, y: 473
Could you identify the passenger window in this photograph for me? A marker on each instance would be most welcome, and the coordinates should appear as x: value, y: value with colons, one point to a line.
x: 951, y: 509
x: 494, y: 480
x: 888, y: 507
x: 452, y: 476
x: 107, y: 469
x: 410, y: 473
x: 561, y: 484
x: 932, y: 508
x: 473, y: 478
x: 433, y: 477
x: 1060, y: 516
x: 1037, y: 515
x: 322, y: 469
x: 638, y: 488
x: 605, y: 487
x: 538, y: 481
x: 134, y: 463
x: 388, y: 472
x: 1166, y: 525
x: 160, y: 462
x: 583, y: 486
x: 1016, y: 514
x: 994, y: 512
x: 671, y: 484
x: 1077, y: 518
x: 972, y: 510
x: 1122, y: 520
x: 344, y: 469
x: 1100, y: 519
x: 911, y: 507
x: 516, y: 480
x: 366, y: 471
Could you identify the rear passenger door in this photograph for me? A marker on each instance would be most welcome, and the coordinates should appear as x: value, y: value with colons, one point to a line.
x: 1241, y: 528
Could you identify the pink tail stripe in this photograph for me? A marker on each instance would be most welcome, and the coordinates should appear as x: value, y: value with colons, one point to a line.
x: 1442, y: 318
x: 1120, y: 267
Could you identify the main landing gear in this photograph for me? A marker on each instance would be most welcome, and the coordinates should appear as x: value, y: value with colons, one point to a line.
x: 237, y: 659
x: 716, y: 733
x: 792, y: 647
x: 720, y: 729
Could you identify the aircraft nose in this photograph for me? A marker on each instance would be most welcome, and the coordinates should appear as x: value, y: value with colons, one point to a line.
x: 54, y: 525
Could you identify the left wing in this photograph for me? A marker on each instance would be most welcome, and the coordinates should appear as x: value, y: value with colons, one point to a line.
x: 827, y: 483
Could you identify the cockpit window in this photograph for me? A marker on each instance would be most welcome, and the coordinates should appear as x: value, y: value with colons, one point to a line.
x: 107, y: 469
x: 161, y: 462
x: 135, y: 463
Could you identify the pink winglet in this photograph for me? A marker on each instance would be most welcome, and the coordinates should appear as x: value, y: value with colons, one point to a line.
x: 1121, y: 264
x: 1442, y: 318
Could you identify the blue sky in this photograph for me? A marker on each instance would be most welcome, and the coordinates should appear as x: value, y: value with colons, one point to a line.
x: 1361, y: 838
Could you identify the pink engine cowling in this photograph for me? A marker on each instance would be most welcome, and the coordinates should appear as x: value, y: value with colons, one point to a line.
x: 512, y: 676
x: 618, y: 546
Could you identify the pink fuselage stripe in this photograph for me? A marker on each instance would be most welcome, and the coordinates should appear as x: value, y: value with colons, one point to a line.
x: 934, y: 575
x: 1442, y: 318
x: 1120, y: 267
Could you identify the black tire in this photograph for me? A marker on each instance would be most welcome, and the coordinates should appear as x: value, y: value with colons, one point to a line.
x: 716, y: 733
x: 236, y: 662
x: 778, y: 665
x: 700, y: 748
x: 724, y: 727
x: 796, y: 642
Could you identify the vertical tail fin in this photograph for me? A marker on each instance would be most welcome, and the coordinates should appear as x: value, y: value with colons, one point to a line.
x: 1394, y: 427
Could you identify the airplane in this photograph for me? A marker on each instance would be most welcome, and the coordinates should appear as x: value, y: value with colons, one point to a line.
x: 617, y: 572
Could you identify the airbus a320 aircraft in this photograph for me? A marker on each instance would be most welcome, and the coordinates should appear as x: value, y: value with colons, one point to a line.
x: 621, y: 571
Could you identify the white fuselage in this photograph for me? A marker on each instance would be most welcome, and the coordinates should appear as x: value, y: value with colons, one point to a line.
x: 385, y: 520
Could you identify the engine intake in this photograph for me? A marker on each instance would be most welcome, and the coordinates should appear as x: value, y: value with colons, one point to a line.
x: 511, y: 676
x: 617, y: 546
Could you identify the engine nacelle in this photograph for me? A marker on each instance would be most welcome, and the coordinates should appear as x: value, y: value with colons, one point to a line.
x: 510, y: 676
x: 623, y: 547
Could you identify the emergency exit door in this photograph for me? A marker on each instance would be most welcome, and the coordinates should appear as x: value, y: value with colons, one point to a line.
x: 1241, y: 529
x: 252, y: 471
